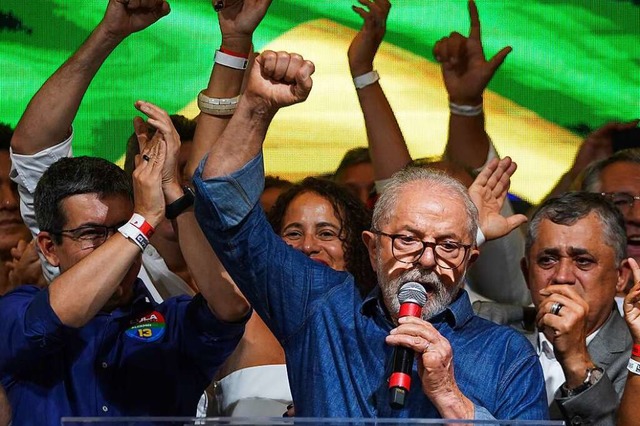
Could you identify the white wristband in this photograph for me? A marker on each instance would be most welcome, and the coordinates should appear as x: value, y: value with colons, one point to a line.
x: 480, y: 238
x: 231, y: 61
x: 634, y: 366
x: 137, y: 230
x: 365, y: 80
x: 217, y: 106
x: 466, y: 110
x: 132, y: 233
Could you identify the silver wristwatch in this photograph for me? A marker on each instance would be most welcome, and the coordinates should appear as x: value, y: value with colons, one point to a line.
x: 593, y: 375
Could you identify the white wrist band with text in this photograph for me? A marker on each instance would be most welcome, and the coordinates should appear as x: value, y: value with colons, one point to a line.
x: 231, y: 61
x: 138, y: 230
x: 634, y: 366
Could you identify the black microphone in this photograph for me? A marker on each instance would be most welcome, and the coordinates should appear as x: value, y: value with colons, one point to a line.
x: 412, y: 297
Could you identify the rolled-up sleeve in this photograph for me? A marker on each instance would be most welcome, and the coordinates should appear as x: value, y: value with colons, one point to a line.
x: 30, y: 329
x: 26, y: 171
x: 229, y: 199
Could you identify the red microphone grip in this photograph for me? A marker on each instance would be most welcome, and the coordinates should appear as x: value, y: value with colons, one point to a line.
x: 409, y: 309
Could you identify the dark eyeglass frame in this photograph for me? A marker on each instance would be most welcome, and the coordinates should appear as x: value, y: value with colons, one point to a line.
x: 87, y: 241
x: 629, y: 199
x: 440, y: 261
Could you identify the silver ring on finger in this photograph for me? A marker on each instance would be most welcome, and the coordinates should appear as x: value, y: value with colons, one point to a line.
x: 555, y: 308
x: 426, y: 348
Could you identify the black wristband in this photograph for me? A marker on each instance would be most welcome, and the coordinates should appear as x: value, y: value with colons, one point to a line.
x: 174, y: 209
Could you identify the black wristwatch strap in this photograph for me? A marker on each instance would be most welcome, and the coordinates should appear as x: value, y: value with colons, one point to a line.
x: 593, y: 376
x: 174, y: 209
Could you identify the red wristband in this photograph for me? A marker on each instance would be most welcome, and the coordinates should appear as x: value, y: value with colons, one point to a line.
x: 635, y: 350
x: 141, y: 223
x: 232, y: 53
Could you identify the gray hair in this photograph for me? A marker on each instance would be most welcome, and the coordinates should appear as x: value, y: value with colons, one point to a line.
x: 591, y: 177
x: 573, y: 206
x: 436, y: 180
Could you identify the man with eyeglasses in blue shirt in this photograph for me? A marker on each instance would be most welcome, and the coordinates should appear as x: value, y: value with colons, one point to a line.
x: 338, y: 344
x: 94, y: 342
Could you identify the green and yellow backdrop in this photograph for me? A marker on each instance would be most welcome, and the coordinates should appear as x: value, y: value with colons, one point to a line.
x: 575, y: 65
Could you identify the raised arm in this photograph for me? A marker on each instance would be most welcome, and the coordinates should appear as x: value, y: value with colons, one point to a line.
x: 387, y: 146
x: 504, y: 283
x: 223, y: 297
x: 627, y: 412
x: 79, y: 292
x: 488, y: 192
x: 277, y: 79
x: 466, y: 74
x: 238, y: 19
x: 48, y: 117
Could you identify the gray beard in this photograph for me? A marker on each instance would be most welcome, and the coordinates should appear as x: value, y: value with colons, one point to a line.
x: 438, y: 296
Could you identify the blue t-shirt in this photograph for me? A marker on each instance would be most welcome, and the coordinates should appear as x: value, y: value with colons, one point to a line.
x: 337, y: 358
x: 143, y: 359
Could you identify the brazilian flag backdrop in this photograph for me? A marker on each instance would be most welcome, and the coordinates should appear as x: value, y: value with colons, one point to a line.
x: 575, y: 65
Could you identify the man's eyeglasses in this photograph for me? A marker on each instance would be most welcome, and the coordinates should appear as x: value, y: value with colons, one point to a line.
x: 622, y: 200
x: 407, y: 249
x: 89, y: 236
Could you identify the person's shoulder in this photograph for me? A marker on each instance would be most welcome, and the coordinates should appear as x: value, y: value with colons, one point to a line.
x: 506, y: 335
x: 180, y: 300
x: 16, y: 301
x: 26, y: 291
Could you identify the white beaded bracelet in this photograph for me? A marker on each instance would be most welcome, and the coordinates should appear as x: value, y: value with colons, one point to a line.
x: 365, y: 80
x: 217, y: 106
x: 466, y: 110
x: 231, y: 61
x: 634, y: 366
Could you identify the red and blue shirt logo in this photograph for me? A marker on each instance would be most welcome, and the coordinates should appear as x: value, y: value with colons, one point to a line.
x: 148, y: 328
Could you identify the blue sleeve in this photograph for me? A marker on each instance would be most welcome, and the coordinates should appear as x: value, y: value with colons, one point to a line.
x: 203, y: 338
x: 521, y: 391
x: 481, y: 413
x: 29, y: 329
x: 280, y: 282
x: 230, y: 198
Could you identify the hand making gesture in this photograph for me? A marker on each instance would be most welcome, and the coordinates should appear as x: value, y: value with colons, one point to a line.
x: 124, y: 17
x: 488, y: 192
x: 465, y: 69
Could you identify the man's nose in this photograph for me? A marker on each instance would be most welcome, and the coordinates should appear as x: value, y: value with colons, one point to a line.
x: 632, y: 214
x: 8, y: 197
x: 564, y: 273
x: 427, y: 260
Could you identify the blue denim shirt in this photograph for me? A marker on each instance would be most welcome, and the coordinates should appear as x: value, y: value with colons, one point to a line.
x: 143, y: 359
x: 334, y: 340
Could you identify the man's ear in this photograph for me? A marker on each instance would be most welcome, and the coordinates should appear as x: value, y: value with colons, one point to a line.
x: 524, y: 267
x: 47, y: 247
x: 370, y: 240
x: 473, y: 255
x: 624, y: 275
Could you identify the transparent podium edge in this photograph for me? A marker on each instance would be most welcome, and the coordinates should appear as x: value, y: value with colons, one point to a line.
x: 266, y: 421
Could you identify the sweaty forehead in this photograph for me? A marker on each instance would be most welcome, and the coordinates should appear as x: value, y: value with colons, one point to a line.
x: 429, y: 209
x: 585, y: 234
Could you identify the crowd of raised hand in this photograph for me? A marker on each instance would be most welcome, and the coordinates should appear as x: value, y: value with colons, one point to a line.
x: 232, y: 293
